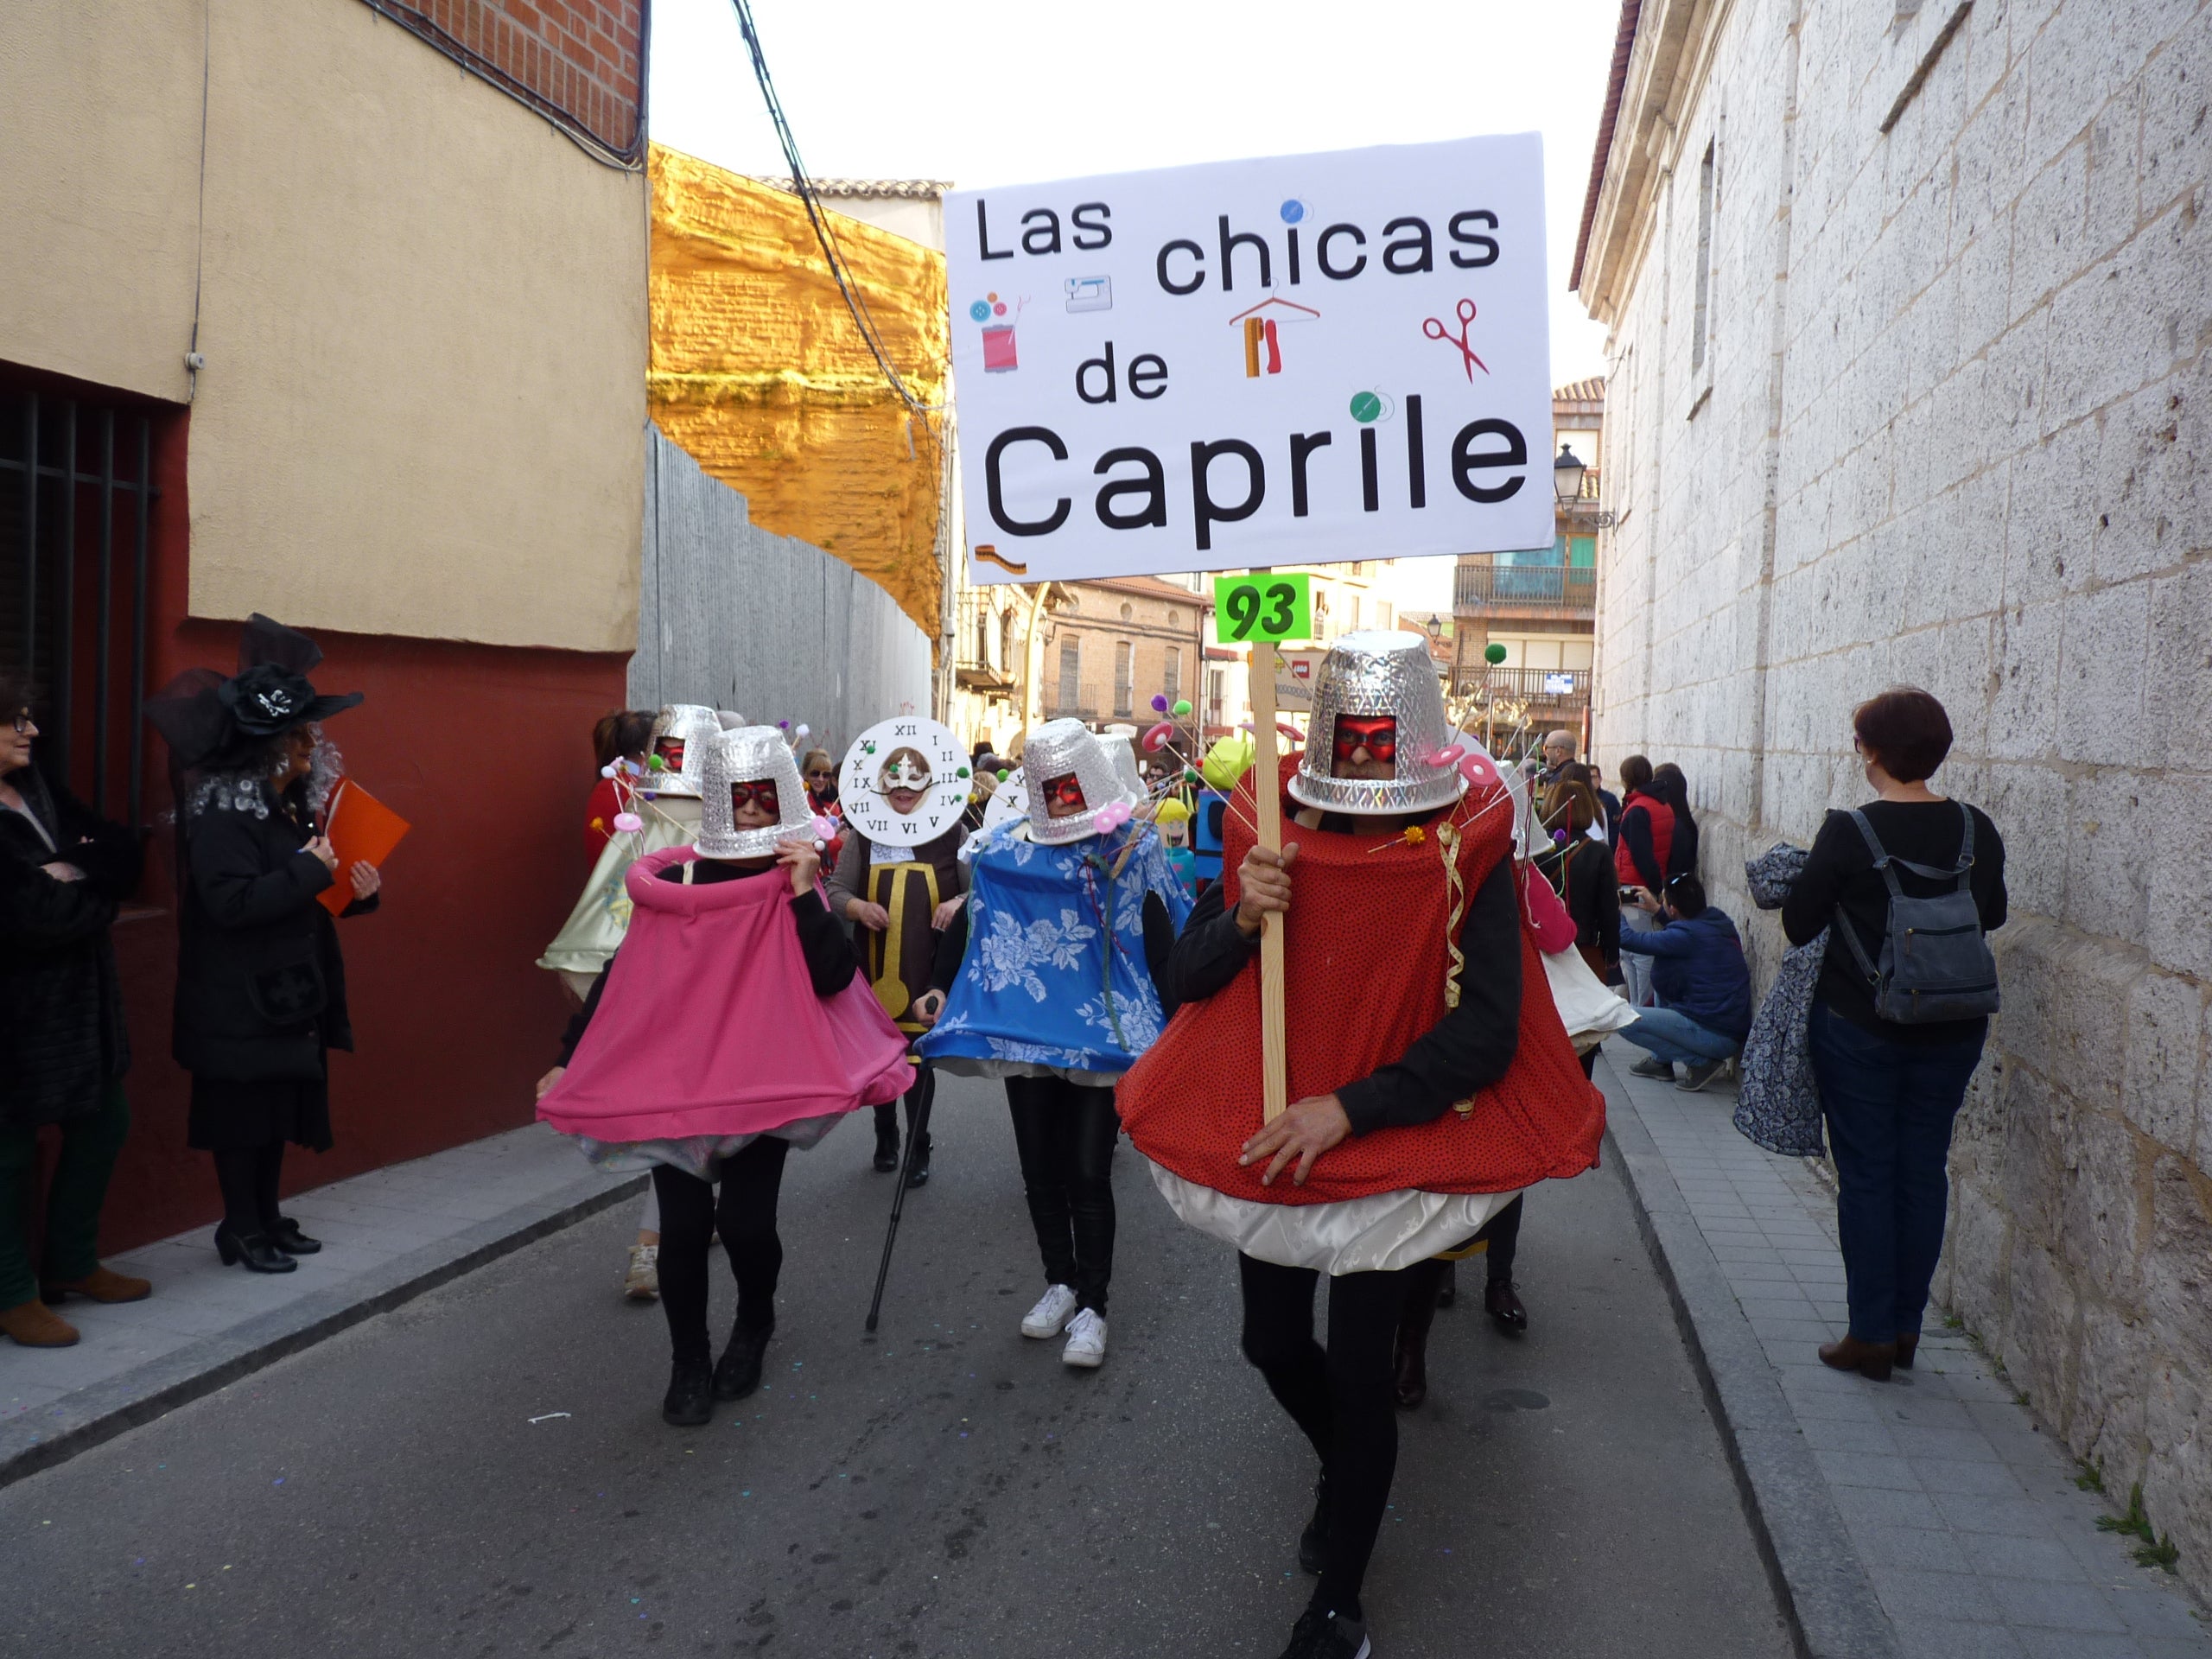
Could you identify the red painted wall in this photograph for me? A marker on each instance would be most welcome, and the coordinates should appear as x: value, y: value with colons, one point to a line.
x: 486, y: 750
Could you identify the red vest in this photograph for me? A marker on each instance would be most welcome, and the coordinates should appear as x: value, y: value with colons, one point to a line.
x: 1663, y: 837
x: 1366, y: 953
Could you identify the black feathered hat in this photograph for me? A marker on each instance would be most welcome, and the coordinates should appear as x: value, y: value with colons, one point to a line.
x: 211, y: 722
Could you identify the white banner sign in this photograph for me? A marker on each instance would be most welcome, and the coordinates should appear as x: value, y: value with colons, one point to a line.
x: 1302, y: 360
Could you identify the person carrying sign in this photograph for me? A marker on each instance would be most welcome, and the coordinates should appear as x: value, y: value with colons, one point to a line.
x: 1430, y: 1077
x: 1067, y: 909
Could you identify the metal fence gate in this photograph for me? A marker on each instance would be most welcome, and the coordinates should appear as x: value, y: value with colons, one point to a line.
x: 76, y: 492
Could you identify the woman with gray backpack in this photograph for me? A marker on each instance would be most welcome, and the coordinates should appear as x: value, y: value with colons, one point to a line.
x: 1907, y: 886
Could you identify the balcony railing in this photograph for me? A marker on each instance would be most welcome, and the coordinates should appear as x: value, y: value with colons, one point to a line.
x: 1569, y: 590
x: 1557, y: 686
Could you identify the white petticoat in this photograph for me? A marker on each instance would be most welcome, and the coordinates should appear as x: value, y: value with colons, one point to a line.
x: 1378, y: 1234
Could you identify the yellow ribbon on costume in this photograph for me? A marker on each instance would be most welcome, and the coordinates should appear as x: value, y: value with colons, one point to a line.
x: 884, y: 960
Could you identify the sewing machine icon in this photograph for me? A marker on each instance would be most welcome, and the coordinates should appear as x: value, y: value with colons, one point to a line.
x: 1091, y: 293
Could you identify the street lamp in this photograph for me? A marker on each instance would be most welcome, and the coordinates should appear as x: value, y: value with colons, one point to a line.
x: 1566, y: 476
x: 1435, y: 628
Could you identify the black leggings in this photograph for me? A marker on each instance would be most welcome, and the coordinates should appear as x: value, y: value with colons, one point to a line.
x: 249, y: 1178
x: 1344, y: 1397
x: 1064, y: 1133
x: 745, y: 1213
x: 917, y: 1100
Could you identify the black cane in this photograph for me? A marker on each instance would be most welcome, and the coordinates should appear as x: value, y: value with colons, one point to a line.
x: 918, y: 1134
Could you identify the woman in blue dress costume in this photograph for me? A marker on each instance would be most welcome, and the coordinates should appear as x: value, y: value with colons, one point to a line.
x: 1049, y: 980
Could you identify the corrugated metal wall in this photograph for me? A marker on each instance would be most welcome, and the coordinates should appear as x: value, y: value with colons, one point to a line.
x: 738, y: 618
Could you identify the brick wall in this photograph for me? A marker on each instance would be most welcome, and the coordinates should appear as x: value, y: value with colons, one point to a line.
x: 1950, y: 429
x: 579, y: 57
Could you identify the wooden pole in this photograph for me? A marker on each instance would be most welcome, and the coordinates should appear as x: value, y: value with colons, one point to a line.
x: 1267, y: 796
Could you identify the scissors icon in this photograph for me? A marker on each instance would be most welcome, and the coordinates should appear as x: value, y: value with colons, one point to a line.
x: 1436, y: 330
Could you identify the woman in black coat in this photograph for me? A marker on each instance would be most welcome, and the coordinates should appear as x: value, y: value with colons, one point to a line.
x: 63, y: 1049
x: 261, y: 987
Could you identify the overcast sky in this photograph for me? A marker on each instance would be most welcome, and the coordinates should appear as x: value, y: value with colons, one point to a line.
x: 1022, y: 92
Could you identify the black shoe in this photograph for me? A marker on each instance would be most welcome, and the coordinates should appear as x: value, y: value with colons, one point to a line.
x: 689, y: 1400
x: 1313, y: 1542
x: 738, y: 1372
x: 1652, y: 1066
x: 287, y: 1237
x: 919, y: 1173
x: 254, y: 1250
x: 1697, y: 1074
x: 1504, y: 1308
x: 886, y: 1149
x: 1320, y: 1635
x: 1448, y: 1291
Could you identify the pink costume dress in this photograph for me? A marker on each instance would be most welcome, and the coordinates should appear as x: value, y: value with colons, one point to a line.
x: 707, y: 1032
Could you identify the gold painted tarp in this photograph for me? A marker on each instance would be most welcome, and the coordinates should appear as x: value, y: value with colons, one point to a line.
x: 760, y: 372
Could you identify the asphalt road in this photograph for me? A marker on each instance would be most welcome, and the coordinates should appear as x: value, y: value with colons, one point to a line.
x: 944, y: 1489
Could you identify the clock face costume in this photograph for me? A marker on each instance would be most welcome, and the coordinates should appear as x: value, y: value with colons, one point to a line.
x: 904, y: 782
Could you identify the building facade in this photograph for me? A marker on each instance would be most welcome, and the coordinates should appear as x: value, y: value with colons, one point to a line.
x: 1540, y: 605
x: 333, y: 310
x: 1908, y: 308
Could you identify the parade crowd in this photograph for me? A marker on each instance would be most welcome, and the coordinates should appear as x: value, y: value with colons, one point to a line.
x: 1456, y: 937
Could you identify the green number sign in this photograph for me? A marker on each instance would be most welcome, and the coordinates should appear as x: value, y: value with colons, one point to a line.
x: 1262, y: 605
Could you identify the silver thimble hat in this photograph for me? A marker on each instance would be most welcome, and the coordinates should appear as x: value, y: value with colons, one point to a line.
x: 692, y: 724
x: 1371, y: 673
x: 750, y: 754
x: 1123, y: 753
x: 1055, y: 749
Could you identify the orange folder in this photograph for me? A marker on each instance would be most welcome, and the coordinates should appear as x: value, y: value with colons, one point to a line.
x: 362, y: 830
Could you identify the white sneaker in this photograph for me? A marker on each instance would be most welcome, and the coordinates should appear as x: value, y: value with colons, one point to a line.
x: 1086, y: 1340
x: 1051, y: 1315
x: 642, y: 1282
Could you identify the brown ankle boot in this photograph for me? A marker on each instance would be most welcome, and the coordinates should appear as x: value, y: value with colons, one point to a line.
x: 36, y: 1325
x: 1908, y: 1344
x: 1871, y: 1360
x: 100, y: 1285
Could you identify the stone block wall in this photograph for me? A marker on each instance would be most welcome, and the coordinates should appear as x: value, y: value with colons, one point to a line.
x: 1948, y: 430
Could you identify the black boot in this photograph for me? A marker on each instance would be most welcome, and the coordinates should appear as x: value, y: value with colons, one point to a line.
x: 1313, y: 1542
x: 1504, y: 1308
x: 256, y: 1250
x: 919, y: 1172
x: 1413, y: 1354
x: 1450, y: 1292
x: 287, y: 1237
x: 689, y: 1400
x: 887, y: 1141
x: 738, y: 1372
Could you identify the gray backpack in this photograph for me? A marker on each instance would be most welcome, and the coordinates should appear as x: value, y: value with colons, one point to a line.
x: 1936, y: 962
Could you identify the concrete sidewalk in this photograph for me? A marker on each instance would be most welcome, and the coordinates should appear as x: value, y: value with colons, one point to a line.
x: 1928, y: 1515
x: 388, y: 1236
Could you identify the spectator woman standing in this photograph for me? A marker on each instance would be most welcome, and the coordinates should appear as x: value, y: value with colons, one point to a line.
x: 63, y: 1049
x: 1890, y: 1090
x: 1643, y: 840
x: 261, y: 988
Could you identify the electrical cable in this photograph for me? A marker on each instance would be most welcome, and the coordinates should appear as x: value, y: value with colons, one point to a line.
x: 803, y: 188
x: 200, y: 227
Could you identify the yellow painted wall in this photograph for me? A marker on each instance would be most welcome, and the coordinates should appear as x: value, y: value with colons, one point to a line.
x: 759, y: 372
x: 422, y: 310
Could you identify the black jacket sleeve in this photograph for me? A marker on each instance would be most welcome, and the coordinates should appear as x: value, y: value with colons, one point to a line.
x: 1810, y: 903
x: 951, y: 945
x: 1606, y: 896
x: 231, y: 886
x: 109, y: 854
x: 1472, y: 1044
x: 1211, y: 952
x: 830, y: 962
x: 1635, y: 835
x: 40, y: 915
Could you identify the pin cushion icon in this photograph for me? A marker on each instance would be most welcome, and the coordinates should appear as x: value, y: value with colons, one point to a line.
x: 1292, y: 210
x: 1366, y: 407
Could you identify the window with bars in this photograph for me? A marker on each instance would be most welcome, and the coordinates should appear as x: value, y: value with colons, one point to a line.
x: 76, y: 503
x: 1124, y: 688
x: 1172, y: 680
x: 1071, y: 673
x: 1216, y: 691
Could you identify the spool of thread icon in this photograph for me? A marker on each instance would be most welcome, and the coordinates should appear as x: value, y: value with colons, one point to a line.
x: 998, y: 349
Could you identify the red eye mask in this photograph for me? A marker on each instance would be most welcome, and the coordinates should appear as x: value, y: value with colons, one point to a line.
x: 760, y: 795
x: 1377, y: 734
x: 671, y: 751
x: 1065, y: 791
